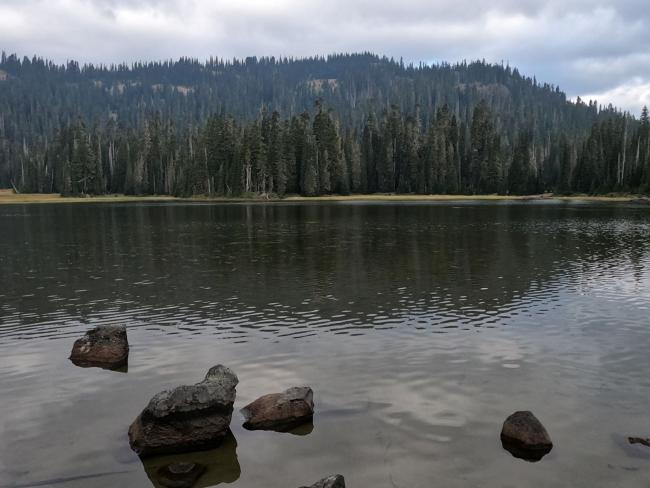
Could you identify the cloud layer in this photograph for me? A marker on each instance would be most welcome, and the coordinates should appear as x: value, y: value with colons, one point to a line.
x: 590, y: 48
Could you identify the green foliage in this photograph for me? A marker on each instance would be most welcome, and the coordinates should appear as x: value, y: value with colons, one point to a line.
x: 345, y: 123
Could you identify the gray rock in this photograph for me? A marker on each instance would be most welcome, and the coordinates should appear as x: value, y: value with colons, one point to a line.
x: 187, y: 418
x: 105, y: 347
x: 280, y: 411
x: 216, y: 391
x: 335, y: 481
x: 524, y: 436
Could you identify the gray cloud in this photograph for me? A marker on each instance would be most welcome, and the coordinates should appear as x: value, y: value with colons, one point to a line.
x: 596, y: 48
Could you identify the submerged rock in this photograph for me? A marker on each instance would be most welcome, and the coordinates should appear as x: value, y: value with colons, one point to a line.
x: 280, y: 411
x: 524, y: 436
x: 180, y: 475
x: 639, y: 440
x: 187, y: 418
x: 635, y: 447
x: 335, y: 481
x: 104, y: 346
x: 197, y: 469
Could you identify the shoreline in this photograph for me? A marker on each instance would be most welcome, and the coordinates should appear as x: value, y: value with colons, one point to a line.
x: 8, y: 197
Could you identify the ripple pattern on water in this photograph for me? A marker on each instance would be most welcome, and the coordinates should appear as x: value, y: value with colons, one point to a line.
x: 419, y: 326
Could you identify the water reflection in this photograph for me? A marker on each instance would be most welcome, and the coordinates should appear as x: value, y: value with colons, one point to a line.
x: 530, y: 455
x: 195, y: 469
x: 292, y: 270
x: 302, y: 430
x: 124, y: 368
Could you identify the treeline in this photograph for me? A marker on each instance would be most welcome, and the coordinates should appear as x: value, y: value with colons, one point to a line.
x: 336, y: 124
x: 314, y: 153
x: 39, y: 98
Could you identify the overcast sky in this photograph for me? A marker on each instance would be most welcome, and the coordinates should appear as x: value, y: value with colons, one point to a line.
x: 591, y: 48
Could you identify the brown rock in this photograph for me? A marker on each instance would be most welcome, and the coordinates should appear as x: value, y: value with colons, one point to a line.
x: 335, y: 481
x: 280, y: 411
x: 524, y: 436
x: 187, y: 418
x: 104, y: 347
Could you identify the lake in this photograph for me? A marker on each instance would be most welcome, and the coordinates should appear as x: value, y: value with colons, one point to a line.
x: 420, y: 327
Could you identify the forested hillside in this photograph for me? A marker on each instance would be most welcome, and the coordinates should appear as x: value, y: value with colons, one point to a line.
x: 346, y: 123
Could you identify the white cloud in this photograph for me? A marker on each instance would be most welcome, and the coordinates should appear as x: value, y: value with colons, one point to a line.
x: 584, y: 46
x: 630, y: 96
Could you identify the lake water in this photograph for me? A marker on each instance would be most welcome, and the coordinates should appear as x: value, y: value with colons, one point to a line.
x: 420, y: 327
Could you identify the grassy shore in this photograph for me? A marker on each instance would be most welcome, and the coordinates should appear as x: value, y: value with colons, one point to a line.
x: 450, y: 198
x: 9, y: 197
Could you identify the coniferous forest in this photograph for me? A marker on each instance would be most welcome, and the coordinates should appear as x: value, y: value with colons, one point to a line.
x: 339, y: 124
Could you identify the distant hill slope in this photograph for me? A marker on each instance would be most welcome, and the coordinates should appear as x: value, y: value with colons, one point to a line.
x: 38, y: 97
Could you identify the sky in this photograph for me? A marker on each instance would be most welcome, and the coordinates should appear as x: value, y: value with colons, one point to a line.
x: 595, y: 49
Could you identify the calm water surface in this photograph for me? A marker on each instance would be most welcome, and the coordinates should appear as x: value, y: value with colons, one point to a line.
x: 420, y: 327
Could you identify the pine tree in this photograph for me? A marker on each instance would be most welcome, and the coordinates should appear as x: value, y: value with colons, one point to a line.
x: 518, y: 173
x: 310, y: 183
x: 483, y: 167
x: 369, y: 151
x: 83, y: 169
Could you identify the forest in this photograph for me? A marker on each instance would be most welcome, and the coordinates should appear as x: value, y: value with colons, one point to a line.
x: 340, y: 124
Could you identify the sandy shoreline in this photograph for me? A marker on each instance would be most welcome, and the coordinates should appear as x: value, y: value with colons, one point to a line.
x: 9, y: 197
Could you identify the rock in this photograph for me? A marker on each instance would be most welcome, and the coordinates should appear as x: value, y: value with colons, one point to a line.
x: 104, y: 346
x: 639, y: 440
x: 187, y: 418
x: 280, y: 411
x: 524, y: 436
x: 634, y: 447
x: 335, y: 481
x: 198, y: 469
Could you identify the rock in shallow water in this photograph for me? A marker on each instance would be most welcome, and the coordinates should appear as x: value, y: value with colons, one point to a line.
x: 524, y: 436
x: 639, y: 440
x: 635, y: 447
x: 187, y: 418
x: 280, y: 411
x: 335, y: 481
x: 104, y: 347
